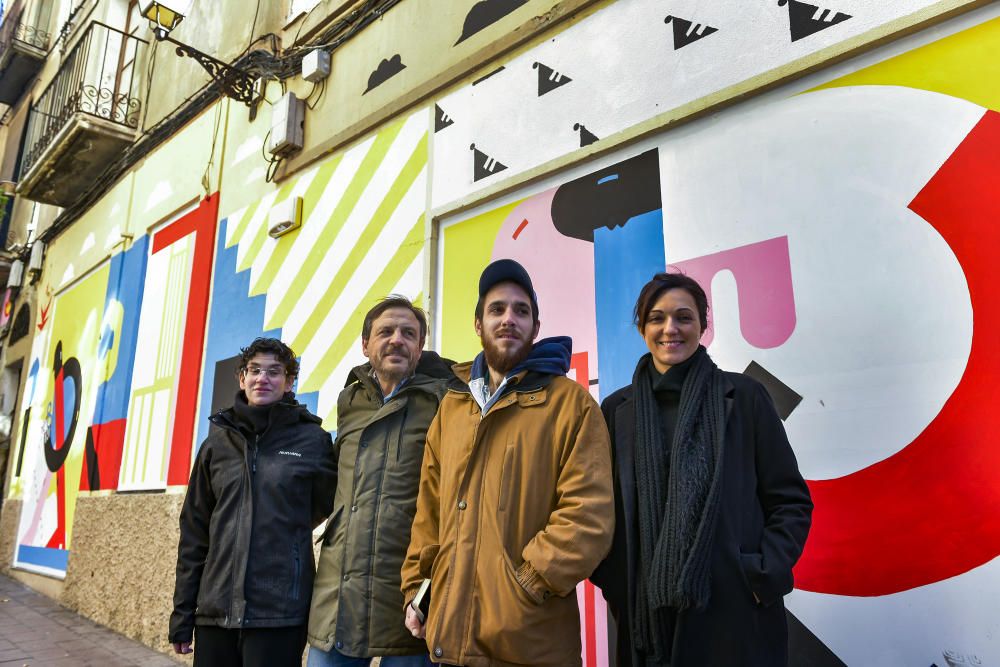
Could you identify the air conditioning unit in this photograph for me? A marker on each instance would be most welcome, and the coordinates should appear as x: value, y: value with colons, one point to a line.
x: 16, y: 274
x: 35, y: 260
x: 287, y: 126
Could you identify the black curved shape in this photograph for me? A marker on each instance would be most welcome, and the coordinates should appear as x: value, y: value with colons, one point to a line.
x: 93, y: 465
x: 388, y: 68
x: 485, y: 13
x: 70, y: 368
x: 608, y: 198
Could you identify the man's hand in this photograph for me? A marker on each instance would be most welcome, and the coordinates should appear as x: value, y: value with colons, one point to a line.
x: 183, y: 648
x: 413, y: 623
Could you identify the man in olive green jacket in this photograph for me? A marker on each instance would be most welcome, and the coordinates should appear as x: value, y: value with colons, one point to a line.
x: 382, y: 419
x: 515, y: 504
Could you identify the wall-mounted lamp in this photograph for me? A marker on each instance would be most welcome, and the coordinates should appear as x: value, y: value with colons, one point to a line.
x: 284, y: 217
x: 35, y: 260
x: 235, y: 83
x: 16, y: 274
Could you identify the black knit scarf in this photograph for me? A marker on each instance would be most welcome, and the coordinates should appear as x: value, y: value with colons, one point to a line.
x: 678, y: 501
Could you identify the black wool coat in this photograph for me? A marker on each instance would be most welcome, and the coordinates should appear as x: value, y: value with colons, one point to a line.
x: 763, y: 521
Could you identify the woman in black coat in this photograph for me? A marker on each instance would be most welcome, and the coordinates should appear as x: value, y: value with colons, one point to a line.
x: 711, y: 511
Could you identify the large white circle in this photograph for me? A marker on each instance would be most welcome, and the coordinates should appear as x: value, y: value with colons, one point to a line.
x: 884, y: 318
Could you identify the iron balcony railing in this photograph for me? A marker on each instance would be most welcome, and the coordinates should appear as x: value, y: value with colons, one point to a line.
x: 16, y: 29
x: 97, y: 78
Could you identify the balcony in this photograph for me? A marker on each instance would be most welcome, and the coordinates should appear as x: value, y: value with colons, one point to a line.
x: 84, y: 118
x: 22, y: 53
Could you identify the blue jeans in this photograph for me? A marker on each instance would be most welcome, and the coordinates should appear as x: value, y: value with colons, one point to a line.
x: 320, y: 658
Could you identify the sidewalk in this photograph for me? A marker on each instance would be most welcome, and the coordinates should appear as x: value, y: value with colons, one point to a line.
x: 36, y: 632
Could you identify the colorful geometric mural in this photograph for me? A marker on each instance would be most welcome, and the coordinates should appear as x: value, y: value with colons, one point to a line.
x: 621, y: 66
x: 845, y: 236
x: 73, y: 408
x: 362, y: 237
x: 168, y: 359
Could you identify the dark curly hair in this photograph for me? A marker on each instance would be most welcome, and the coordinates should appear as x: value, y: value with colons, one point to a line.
x: 281, y: 352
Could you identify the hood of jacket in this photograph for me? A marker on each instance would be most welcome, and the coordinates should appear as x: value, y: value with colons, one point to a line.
x: 285, y: 412
x: 549, y: 356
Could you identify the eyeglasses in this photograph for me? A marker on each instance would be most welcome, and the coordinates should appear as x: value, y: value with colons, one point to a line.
x: 273, y: 372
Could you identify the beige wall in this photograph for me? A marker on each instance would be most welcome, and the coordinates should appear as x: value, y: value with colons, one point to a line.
x: 432, y: 57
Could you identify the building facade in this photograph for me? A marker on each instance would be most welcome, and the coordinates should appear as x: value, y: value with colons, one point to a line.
x: 828, y: 171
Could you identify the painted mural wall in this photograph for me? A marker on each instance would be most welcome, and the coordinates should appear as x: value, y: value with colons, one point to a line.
x: 633, y: 61
x: 839, y: 232
x: 844, y: 228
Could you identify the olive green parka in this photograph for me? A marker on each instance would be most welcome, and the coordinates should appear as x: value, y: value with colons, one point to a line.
x: 357, y: 606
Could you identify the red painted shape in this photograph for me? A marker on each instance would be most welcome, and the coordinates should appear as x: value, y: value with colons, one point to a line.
x: 58, y: 539
x: 517, y: 232
x: 44, y: 315
x: 932, y: 510
x: 109, y: 442
x: 202, y: 223
x: 590, y: 614
x: 579, y: 363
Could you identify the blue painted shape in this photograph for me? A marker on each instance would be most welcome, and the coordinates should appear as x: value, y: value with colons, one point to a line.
x: 310, y: 400
x: 606, y: 179
x: 625, y: 258
x: 69, y: 404
x: 29, y: 393
x: 234, y: 320
x: 126, y: 278
x: 54, y: 559
x: 107, y: 342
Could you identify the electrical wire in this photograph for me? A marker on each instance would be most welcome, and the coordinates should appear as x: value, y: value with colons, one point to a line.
x: 206, y: 182
x: 253, y: 27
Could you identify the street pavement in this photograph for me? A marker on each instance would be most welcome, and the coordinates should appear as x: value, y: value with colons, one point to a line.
x: 36, y: 632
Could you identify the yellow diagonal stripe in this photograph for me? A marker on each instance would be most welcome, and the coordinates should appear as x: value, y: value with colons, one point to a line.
x: 241, y: 226
x: 404, y: 181
x: 411, y: 247
x: 261, y: 235
x: 285, y: 243
x: 312, y: 262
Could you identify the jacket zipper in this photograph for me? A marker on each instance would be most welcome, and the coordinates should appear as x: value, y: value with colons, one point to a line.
x: 298, y: 572
x: 256, y: 448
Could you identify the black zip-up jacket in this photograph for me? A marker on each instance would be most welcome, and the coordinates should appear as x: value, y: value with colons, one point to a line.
x: 245, y: 556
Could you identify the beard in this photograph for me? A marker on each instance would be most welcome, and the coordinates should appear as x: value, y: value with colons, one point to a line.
x: 393, y: 373
x: 502, y: 361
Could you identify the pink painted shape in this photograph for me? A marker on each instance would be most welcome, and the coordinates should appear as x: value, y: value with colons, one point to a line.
x: 763, y: 274
x: 30, y: 535
x: 561, y: 269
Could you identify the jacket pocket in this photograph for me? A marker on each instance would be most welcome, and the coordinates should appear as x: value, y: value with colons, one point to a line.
x: 331, y: 526
x: 515, y: 629
x: 507, y: 476
x: 296, y: 570
x: 766, y: 586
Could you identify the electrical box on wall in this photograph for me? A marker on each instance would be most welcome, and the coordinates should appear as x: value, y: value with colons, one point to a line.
x: 35, y: 260
x: 284, y: 217
x: 287, y: 126
x: 16, y: 274
x: 316, y: 65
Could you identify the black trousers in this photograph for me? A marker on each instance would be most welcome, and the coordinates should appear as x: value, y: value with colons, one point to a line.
x: 249, y: 647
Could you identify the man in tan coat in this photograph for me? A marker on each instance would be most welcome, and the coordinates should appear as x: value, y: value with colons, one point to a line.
x: 515, y: 504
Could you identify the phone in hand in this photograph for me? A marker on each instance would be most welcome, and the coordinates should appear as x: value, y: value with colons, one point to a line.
x: 421, y: 602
